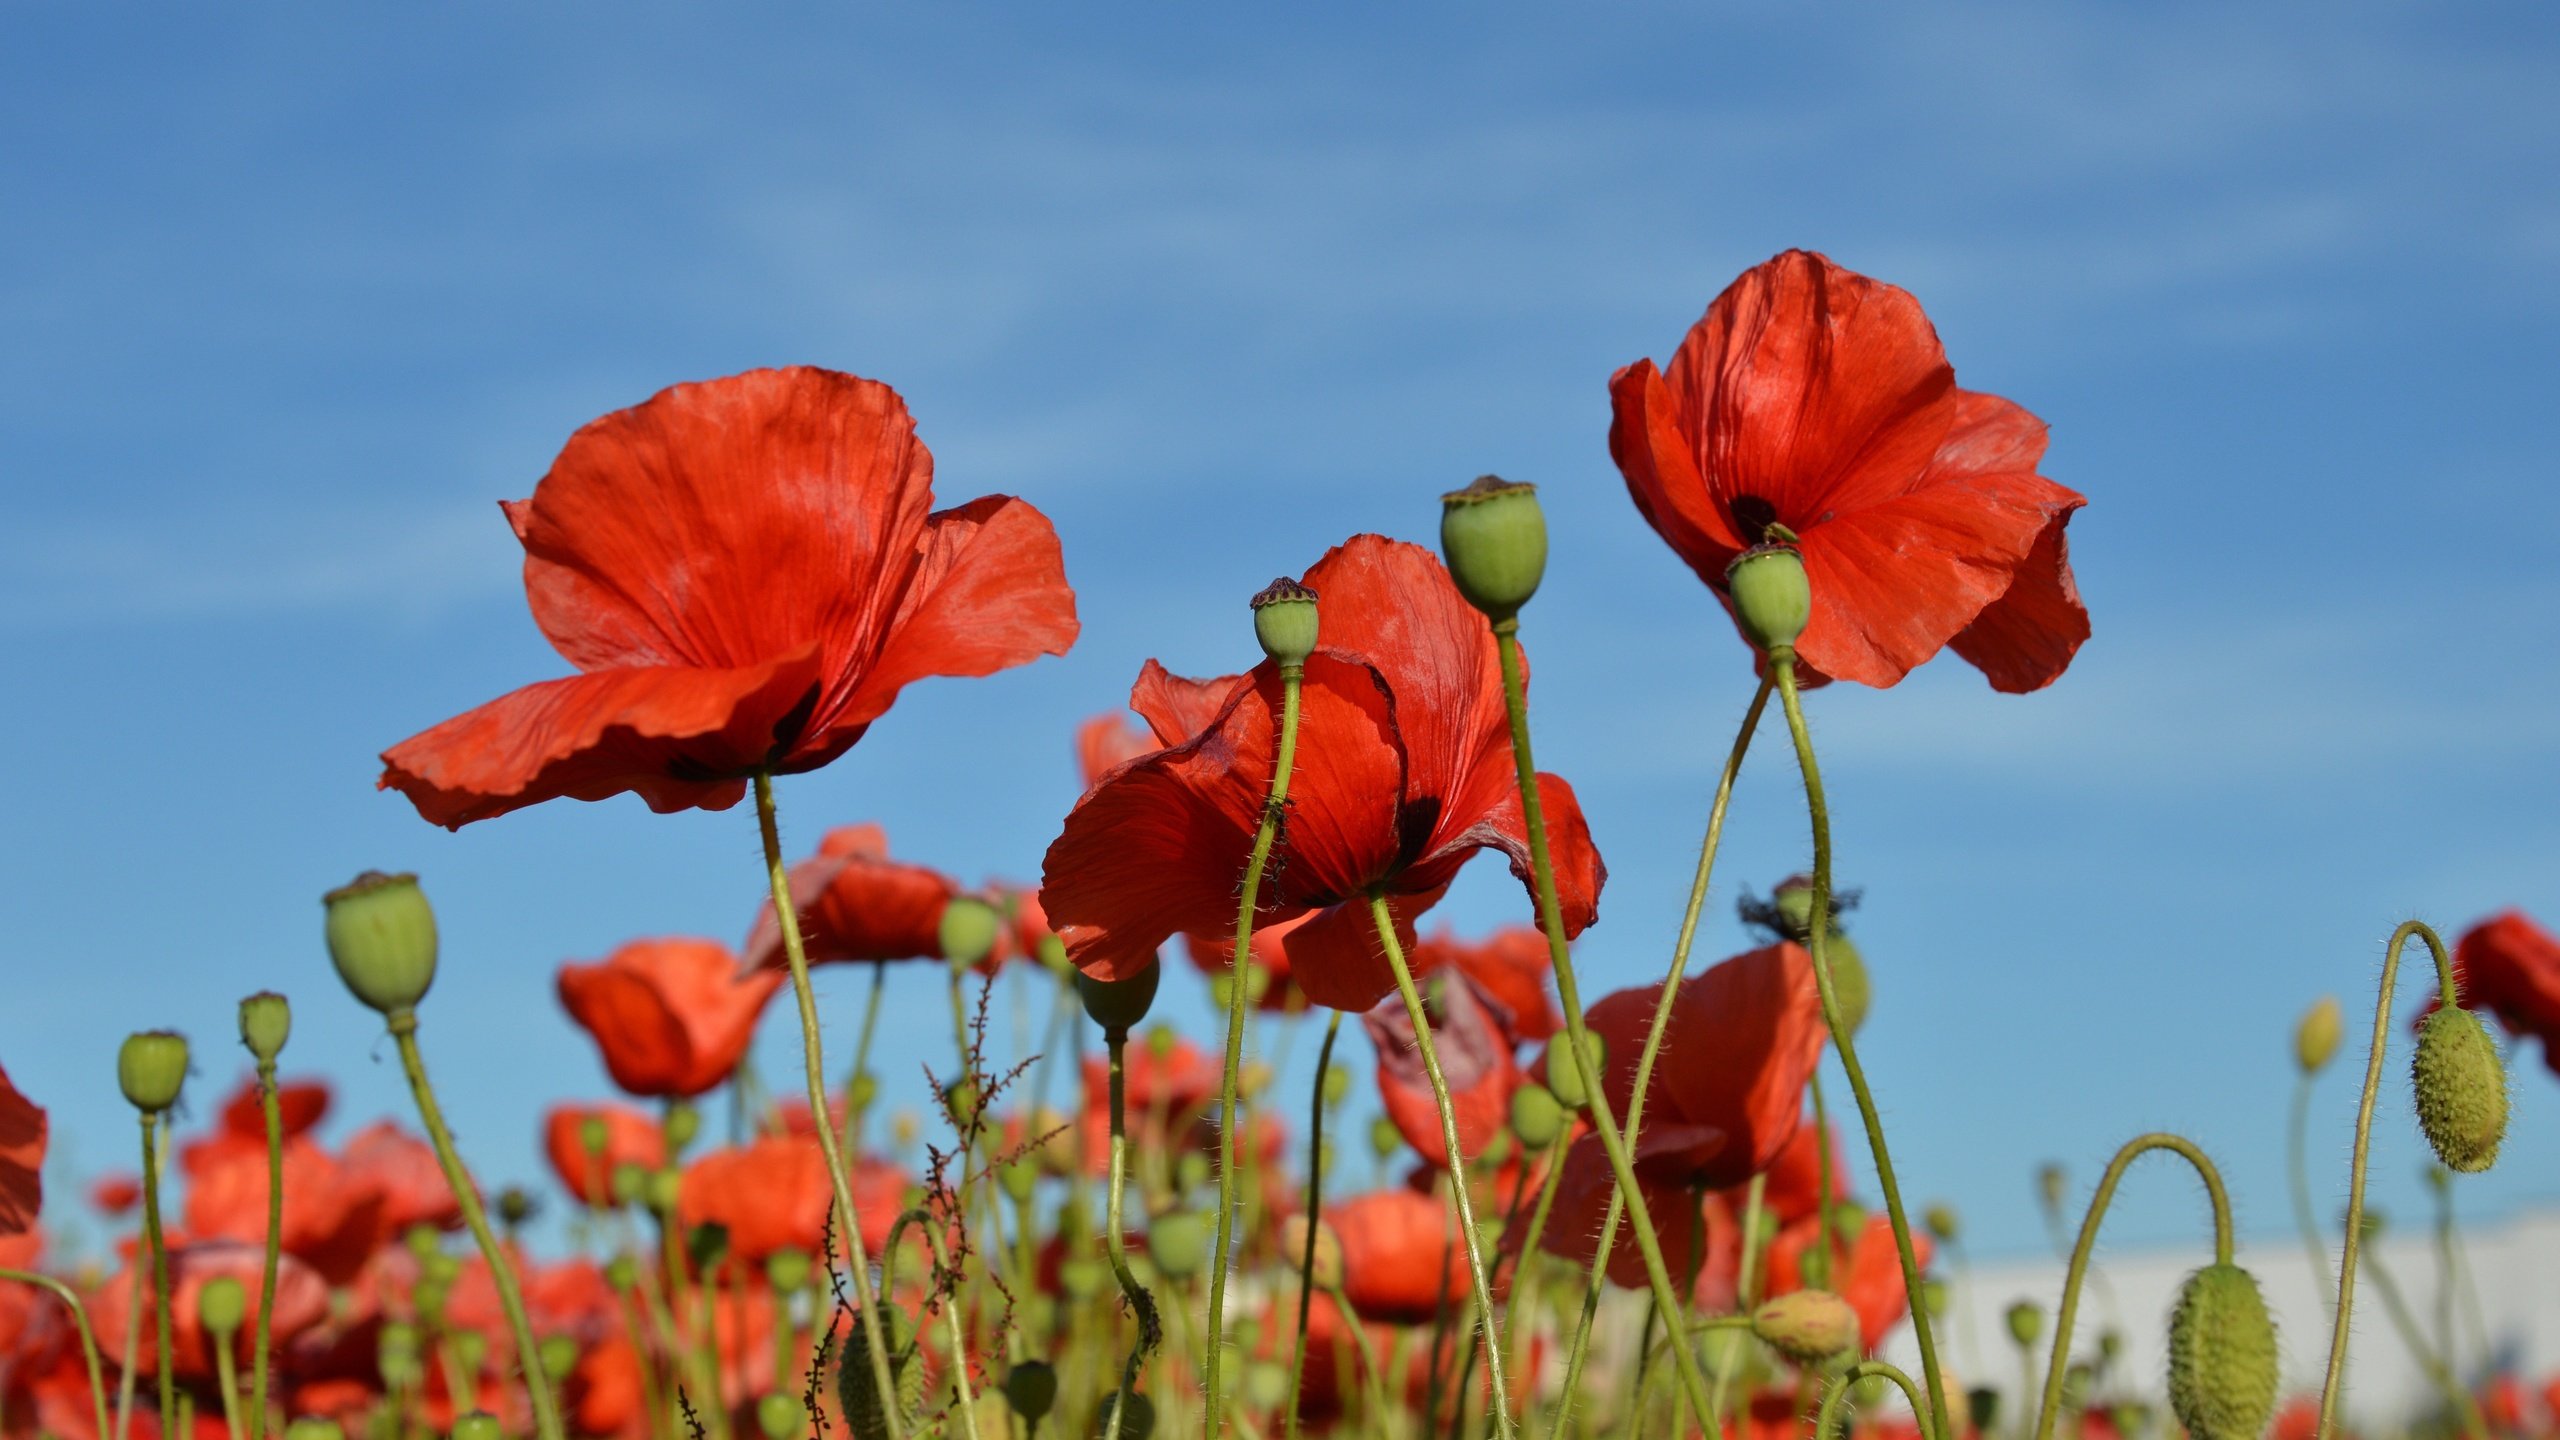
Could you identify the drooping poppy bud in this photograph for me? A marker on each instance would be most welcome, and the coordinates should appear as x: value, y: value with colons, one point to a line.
x: 1494, y: 537
x: 1138, y: 1424
x: 152, y: 1067
x: 1284, y: 620
x: 516, y: 1205
x: 969, y: 930
x: 265, y: 1021
x: 2222, y: 1356
x: 863, y: 1408
x: 2026, y: 1323
x: 1536, y: 1117
x: 2315, y: 1040
x: 1031, y: 1388
x: 781, y: 1416
x: 1772, y: 600
x: 1118, y: 1005
x: 382, y: 938
x: 1806, y: 1326
x: 2461, y: 1088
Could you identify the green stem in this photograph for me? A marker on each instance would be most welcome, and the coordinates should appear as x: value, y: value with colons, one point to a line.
x: 856, y: 1109
x: 1838, y: 1388
x: 1818, y: 811
x: 1515, y: 698
x: 2474, y: 1424
x: 2133, y: 1149
x: 2297, y: 1130
x: 1731, y: 1355
x: 1504, y: 1427
x: 226, y: 1374
x: 1315, y: 1197
x: 164, y: 1363
x: 80, y: 1322
x: 1376, y: 1387
x: 1239, y: 969
x: 267, y: 1260
x: 848, y: 1221
x: 1150, y: 1326
x: 1825, y: 1203
x: 922, y: 1220
x: 2354, y: 1237
x: 132, y: 1342
x: 403, y: 1025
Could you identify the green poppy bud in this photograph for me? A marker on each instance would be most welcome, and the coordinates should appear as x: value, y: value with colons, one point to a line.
x: 152, y: 1067
x: 2076, y: 1380
x: 1337, y: 1086
x: 861, y: 1090
x: 861, y: 1407
x: 2132, y: 1418
x: 265, y: 1021
x: 2110, y: 1346
x: 1284, y: 620
x: 1031, y: 1388
x: 558, y: 1355
x: 683, y: 1122
x: 1162, y: 1041
x: 441, y: 1267
x: 1179, y: 1243
x: 470, y: 1347
x: 1772, y: 601
x: 1535, y: 1116
x: 787, y: 1269
x: 1138, y: 1424
x: 1943, y: 1222
x: 1266, y: 1385
x: 783, y: 1417
x: 2222, y: 1356
x: 1191, y: 1171
x: 222, y: 1304
x: 1118, y: 1005
x: 312, y: 1427
x: 1082, y: 1277
x: 2315, y: 1039
x: 1933, y: 1297
x: 661, y: 1191
x: 516, y: 1205
x: 478, y: 1425
x: 382, y: 938
x: 1494, y: 538
x: 1384, y: 1138
x: 969, y: 930
x: 2051, y: 1182
x: 2461, y: 1089
x: 1566, y: 1081
x: 1850, y: 988
x: 1020, y: 1179
x: 628, y: 1183
x: 1806, y: 1326
x: 2026, y: 1323
x: 1252, y: 1078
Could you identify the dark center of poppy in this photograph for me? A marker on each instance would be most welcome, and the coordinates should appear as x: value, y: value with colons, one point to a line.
x: 1753, y: 516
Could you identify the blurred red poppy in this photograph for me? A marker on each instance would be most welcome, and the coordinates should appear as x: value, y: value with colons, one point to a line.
x: 302, y: 1301
x: 772, y: 1194
x: 1211, y: 955
x: 1401, y: 1260
x: 1866, y: 1272
x: 1403, y: 772
x: 1511, y: 965
x: 117, y: 1194
x: 334, y: 1215
x: 1106, y: 742
x: 23, y: 1133
x: 1165, y: 1083
x: 1472, y: 1039
x: 1814, y: 398
x: 300, y: 1104
x: 2510, y: 967
x: 672, y: 1017
x: 402, y: 1169
x: 857, y: 904
x: 630, y: 1138
x: 745, y: 573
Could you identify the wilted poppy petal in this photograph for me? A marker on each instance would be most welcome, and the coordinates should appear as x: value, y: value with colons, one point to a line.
x: 1475, y: 1061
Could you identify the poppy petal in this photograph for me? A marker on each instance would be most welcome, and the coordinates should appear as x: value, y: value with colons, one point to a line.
x: 1646, y: 439
x: 2025, y: 639
x: 989, y: 592
x: 1744, y: 1040
x: 1336, y: 958
x: 23, y: 1129
x: 1106, y: 742
x: 1177, y: 707
x: 1579, y: 871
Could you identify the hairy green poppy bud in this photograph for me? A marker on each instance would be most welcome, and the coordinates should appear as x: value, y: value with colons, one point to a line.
x: 312, y: 1427
x: 862, y: 1408
x: 1850, y: 988
x: 1266, y: 1384
x: 2076, y: 1380
x: 1284, y: 620
x: 1566, y: 1081
x: 2110, y: 1346
x: 1138, y: 1424
x: 1179, y: 1243
x: 1535, y: 1116
x: 2132, y: 1418
x: 782, y: 1417
x: 1494, y: 537
x: 969, y: 929
x: 1020, y: 1179
x: 478, y: 1425
x: 2461, y: 1089
x: 2222, y: 1356
x: 265, y: 1021
x: 2315, y: 1039
x: 1293, y: 1250
x: 1806, y: 1326
x: 1031, y: 1388
x: 1933, y: 1297
x: 558, y: 1355
x: 382, y: 938
x: 661, y: 1190
x: 152, y: 1067
x: 1943, y: 1222
x: 1118, y: 1005
x: 1772, y: 600
x: 1384, y: 1138
x: 2026, y: 1323
x: 222, y: 1304
x: 470, y: 1347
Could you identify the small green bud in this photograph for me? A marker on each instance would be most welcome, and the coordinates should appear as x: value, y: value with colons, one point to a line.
x: 1933, y: 1297
x: 382, y: 938
x: 516, y: 1205
x: 1384, y: 1138
x: 1806, y: 1326
x: 1191, y: 1171
x: 861, y: 1090
x: 1943, y: 1222
x: 2461, y: 1087
x: 478, y: 1425
x: 2222, y: 1356
x: 152, y: 1067
x: 2051, y: 1183
x: 1253, y: 1077
x: 787, y: 1269
x: 1162, y: 1041
x: 1138, y: 1424
x: 222, y: 1304
x: 1284, y: 620
x: 2026, y: 1323
x: 1566, y: 1081
x: 1494, y: 537
x: 1850, y: 988
x: 783, y: 1417
x: 662, y: 1190
x: 470, y: 1347
x: 1266, y: 1385
x: 1020, y: 1179
x: 2315, y: 1039
x: 441, y: 1268
x: 1535, y: 1116
x: 558, y: 1355
x: 629, y: 1182
x: 266, y: 1019
x: 621, y: 1272
x: 1118, y: 1005
x: 2132, y: 1418
x: 1772, y: 600
x: 969, y: 929
x: 2076, y: 1380
x: 683, y: 1122
x: 1082, y: 1277
x: 422, y: 1241
x: 593, y: 1134
x: 1179, y: 1243
x: 312, y: 1427
x: 1031, y: 1388
x: 2110, y: 1346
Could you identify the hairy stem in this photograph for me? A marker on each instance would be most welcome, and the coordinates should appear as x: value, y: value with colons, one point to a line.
x: 1315, y: 1200
x: 88, y: 1339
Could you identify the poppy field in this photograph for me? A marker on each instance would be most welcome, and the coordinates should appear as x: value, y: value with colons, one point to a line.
x: 1498, y: 1205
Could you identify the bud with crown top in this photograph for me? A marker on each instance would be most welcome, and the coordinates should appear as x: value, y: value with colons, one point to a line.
x: 382, y: 938
x: 1493, y: 535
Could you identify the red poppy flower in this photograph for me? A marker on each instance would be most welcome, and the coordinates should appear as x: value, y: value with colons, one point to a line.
x: 1270, y: 948
x: 1818, y: 399
x: 23, y: 1132
x: 1867, y: 1272
x: 1471, y: 1037
x: 1403, y: 772
x: 334, y: 1215
x: 300, y: 1104
x: 672, y: 1017
x: 2510, y: 967
x: 1727, y: 1097
x: 772, y: 1194
x: 302, y: 1301
x: 1401, y: 1257
x: 745, y: 573
x: 1511, y: 965
x: 857, y: 904
x: 402, y: 1169
x: 1165, y: 1082
x: 630, y: 1138
x: 1793, y: 1187
x: 117, y: 1194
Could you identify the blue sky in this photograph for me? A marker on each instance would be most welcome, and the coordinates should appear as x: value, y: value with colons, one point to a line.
x: 288, y: 299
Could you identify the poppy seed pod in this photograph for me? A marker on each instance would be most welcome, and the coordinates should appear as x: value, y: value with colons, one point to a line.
x: 2222, y: 1356
x: 382, y: 938
x: 222, y: 1304
x: 152, y: 1067
x: 2026, y: 1323
x: 2461, y: 1088
x: 1535, y: 1116
x: 265, y: 1022
x: 1284, y: 620
x: 787, y: 1269
x: 1772, y: 600
x: 1806, y: 1326
x: 1337, y: 1086
x: 1179, y: 1243
x: 1384, y: 1138
x: 861, y: 1406
x: 2315, y: 1039
x: 969, y: 930
x: 1118, y: 1005
x: 1138, y: 1424
x: 780, y: 1416
x: 478, y: 1425
x: 1494, y: 537
x: 1031, y: 1388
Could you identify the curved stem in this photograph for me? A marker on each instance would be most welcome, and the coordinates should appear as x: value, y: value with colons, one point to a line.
x: 2133, y: 1149
x: 1838, y: 1387
x: 1819, y: 812
x: 848, y: 1222
x: 2296, y: 1133
x: 268, y: 1257
x: 88, y: 1340
x: 1239, y: 967
x: 1515, y: 698
x: 2437, y: 1370
x: 2353, y: 1239
x: 923, y: 1220
x: 1115, y: 1241
x: 163, y: 1359
x: 403, y: 1025
x: 1315, y: 1197
x: 1504, y: 1427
